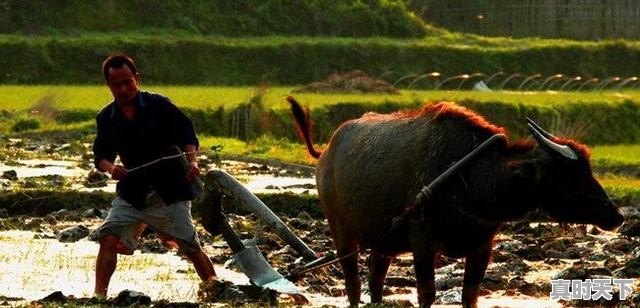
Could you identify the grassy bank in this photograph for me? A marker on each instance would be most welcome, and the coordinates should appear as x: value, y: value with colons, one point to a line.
x: 597, y: 118
x: 289, y: 60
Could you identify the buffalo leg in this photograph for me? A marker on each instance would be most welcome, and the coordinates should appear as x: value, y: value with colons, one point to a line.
x: 351, y: 278
x: 423, y: 264
x: 475, y: 266
x: 378, y: 267
x: 425, y: 278
x: 346, y: 248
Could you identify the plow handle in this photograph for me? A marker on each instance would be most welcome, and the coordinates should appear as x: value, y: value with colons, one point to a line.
x: 235, y: 243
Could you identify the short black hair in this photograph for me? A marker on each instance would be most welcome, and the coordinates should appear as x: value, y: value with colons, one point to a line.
x: 117, y: 61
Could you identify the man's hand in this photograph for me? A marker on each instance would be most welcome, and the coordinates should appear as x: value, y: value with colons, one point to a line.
x: 118, y: 172
x: 193, y: 171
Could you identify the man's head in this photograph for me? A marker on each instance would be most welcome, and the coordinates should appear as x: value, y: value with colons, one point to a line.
x: 122, y: 77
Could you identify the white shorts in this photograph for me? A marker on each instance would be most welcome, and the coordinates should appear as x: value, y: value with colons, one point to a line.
x: 173, y: 224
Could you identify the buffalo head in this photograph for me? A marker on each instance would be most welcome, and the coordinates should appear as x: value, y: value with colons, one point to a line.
x: 570, y: 192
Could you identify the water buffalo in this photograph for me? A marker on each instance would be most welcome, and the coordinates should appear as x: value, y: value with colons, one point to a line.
x: 374, y: 166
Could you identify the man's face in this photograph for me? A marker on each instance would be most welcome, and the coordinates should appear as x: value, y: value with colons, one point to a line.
x: 123, y: 84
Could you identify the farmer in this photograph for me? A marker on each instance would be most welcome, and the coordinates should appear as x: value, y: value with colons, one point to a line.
x: 140, y: 127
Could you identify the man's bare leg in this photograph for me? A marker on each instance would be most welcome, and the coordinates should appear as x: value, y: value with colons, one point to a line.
x: 105, y: 264
x: 202, y: 264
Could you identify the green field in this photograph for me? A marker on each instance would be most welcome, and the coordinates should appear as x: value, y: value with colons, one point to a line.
x: 46, y: 102
x: 66, y: 97
x: 628, y: 153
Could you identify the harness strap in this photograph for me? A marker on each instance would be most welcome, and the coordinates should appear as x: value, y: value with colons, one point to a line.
x: 427, y: 191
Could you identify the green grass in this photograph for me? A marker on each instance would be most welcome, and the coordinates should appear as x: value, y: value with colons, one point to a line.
x: 265, y: 148
x: 64, y: 97
x: 619, y: 182
x: 623, y: 153
x: 67, y: 97
x: 624, y: 189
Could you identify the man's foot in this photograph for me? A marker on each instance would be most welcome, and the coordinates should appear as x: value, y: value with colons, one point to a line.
x: 122, y: 249
x: 216, y: 290
x: 129, y: 297
x: 100, y: 296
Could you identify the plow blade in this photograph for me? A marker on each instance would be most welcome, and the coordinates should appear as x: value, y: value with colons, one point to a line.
x: 253, y: 264
x: 256, y: 267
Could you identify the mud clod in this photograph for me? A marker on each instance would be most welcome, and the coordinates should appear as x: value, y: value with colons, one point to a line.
x: 355, y: 81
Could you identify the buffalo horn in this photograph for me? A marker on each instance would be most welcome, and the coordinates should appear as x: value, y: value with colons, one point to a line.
x: 540, y: 129
x: 550, y: 146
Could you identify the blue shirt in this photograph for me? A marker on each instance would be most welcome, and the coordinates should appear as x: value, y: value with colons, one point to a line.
x: 157, y: 127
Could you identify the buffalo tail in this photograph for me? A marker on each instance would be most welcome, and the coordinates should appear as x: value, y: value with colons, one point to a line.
x: 303, y: 125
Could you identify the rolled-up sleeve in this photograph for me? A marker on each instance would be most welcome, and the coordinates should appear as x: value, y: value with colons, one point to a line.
x: 102, y: 147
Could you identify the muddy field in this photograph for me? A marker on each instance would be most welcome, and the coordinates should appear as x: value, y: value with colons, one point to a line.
x: 42, y: 255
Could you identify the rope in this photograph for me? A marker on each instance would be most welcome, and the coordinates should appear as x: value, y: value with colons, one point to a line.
x: 329, y: 261
x: 161, y: 159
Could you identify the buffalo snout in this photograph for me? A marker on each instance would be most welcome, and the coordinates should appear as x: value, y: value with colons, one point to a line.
x: 612, y: 220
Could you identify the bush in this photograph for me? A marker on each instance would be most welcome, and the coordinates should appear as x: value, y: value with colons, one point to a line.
x: 228, y: 18
x: 25, y: 124
x: 75, y: 116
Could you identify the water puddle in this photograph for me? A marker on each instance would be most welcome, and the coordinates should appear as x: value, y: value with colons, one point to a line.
x: 257, y: 178
x: 34, y: 268
x: 38, y: 167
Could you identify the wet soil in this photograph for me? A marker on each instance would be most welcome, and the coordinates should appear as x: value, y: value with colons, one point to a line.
x: 525, y: 259
x: 42, y: 254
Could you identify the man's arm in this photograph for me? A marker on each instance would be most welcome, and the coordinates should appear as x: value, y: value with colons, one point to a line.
x: 187, y: 138
x: 117, y: 171
x: 103, y: 152
x: 106, y: 165
x: 184, y: 128
x: 190, y: 152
